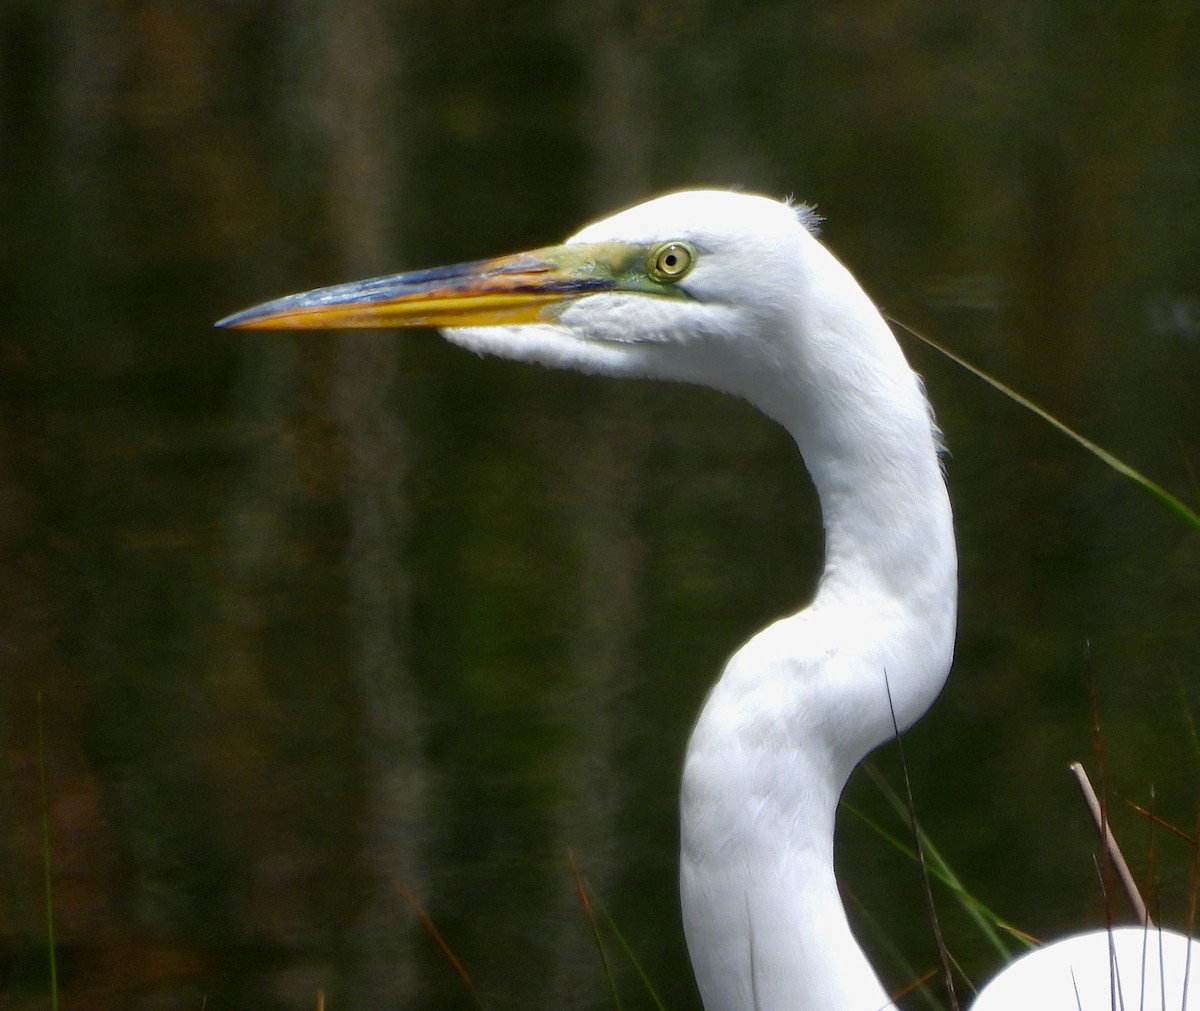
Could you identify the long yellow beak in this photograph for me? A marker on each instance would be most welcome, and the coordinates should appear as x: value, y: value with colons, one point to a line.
x: 521, y: 288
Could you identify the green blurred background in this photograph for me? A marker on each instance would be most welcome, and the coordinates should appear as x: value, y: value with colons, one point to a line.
x: 321, y: 624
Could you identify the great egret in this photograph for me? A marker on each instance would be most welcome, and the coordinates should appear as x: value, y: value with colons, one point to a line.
x: 734, y: 291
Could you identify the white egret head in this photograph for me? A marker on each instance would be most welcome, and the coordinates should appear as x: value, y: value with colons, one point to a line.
x: 724, y: 289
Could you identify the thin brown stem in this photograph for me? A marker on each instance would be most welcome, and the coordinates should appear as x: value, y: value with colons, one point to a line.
x: 1115, y: 856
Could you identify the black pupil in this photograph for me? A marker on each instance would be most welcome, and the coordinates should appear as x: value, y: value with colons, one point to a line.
x: 670, y: 259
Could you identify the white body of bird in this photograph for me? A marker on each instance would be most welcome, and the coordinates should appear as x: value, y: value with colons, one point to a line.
x: 1126, y: 969
x: 734, y: 292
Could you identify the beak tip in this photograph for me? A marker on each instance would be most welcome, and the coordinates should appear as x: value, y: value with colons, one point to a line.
x: 230, y: 322
x: 247, y: 319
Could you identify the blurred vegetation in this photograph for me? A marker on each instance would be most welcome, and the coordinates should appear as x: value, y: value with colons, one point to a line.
x: 316, y: 616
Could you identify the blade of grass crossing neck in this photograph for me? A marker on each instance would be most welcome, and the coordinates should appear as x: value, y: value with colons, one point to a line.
x: 984, y: 918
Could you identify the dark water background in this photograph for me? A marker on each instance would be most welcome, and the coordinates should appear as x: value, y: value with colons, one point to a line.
x: 322, y: 622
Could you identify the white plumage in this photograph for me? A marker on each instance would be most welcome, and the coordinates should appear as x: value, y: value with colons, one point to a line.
x: 734, y: 292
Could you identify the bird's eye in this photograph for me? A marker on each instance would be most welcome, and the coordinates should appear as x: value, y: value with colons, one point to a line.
x: 670, y: 261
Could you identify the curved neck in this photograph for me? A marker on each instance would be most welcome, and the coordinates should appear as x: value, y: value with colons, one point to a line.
x: 859, y: 416
x: 801, y: 703
x: 890, y: 574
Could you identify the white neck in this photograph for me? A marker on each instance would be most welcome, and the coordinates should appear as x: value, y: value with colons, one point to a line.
x: 801, y: 703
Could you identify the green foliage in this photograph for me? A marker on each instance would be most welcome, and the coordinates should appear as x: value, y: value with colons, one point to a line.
x: 588, y: 900
x: 1139, y: 480
x: 45, y: 801
x: 939, y: 868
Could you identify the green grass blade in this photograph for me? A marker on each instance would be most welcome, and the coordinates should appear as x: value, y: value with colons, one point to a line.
x: 633, y: 960
x: 585, y: 900
x: 882, y: 937
x: 590, y: 900
x: 1151, y: 488
x: 51, y: 943
x: 939, y: 868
